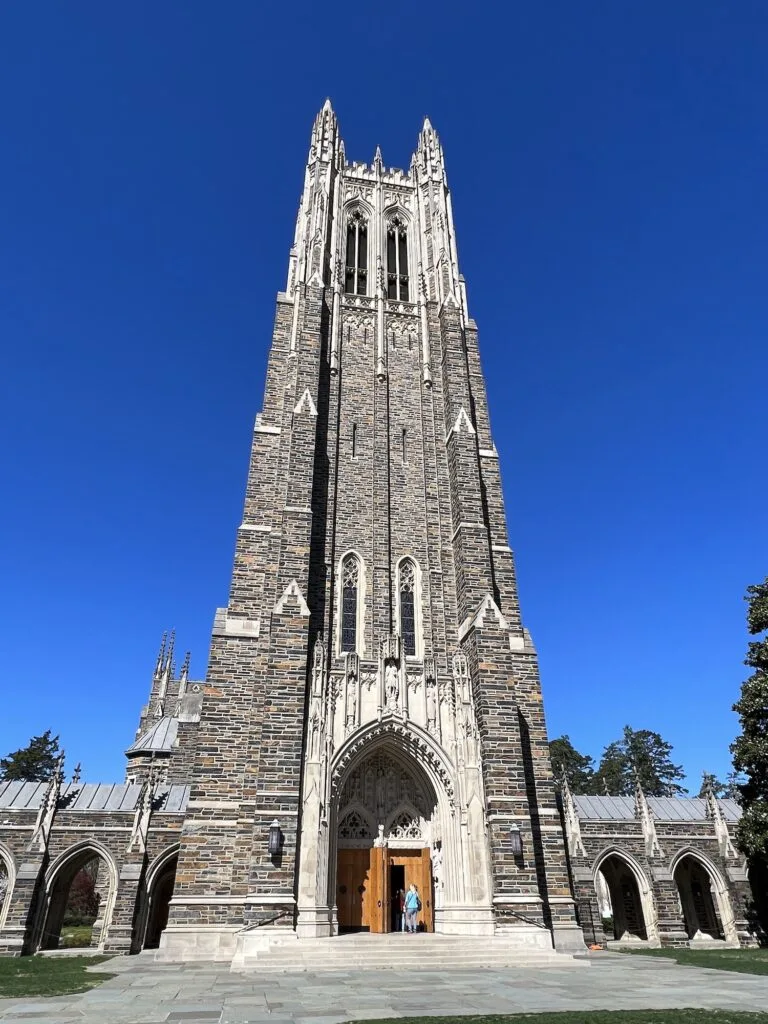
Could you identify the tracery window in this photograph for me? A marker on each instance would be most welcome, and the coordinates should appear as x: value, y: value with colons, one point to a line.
x: 350, y: 589
x: 397, y: 260
x: 407, y: 591
x: 356, y: 275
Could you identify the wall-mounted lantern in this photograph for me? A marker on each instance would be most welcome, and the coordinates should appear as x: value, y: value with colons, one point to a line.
x: 275, y: 843
x: 516, y: 839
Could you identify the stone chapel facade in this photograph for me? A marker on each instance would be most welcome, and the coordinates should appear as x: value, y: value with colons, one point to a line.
x: 372, y: 691
x: 372, y: 714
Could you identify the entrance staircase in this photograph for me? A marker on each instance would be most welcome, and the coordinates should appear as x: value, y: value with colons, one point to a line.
x: 401, y: 951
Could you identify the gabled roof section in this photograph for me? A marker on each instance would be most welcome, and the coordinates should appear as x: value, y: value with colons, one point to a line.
x: 663, y: 808
x: 160, y: 739
x: 92, y: 796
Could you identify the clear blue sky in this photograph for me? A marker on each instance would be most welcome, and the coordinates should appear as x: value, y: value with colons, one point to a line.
x: 609, y: 166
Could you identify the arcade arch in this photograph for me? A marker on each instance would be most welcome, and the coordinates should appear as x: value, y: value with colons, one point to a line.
x: 624, y: 892
x: 80, y: 885
x: 7, y: 882
x: 704, y: 900
x: 161, y: 878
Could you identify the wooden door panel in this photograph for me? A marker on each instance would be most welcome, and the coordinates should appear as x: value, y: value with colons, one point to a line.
x: 379, y: 877
x: 351, y: 888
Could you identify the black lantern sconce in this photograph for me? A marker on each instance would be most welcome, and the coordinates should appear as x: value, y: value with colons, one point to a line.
x: 275, y: 843
x: 516, y: 840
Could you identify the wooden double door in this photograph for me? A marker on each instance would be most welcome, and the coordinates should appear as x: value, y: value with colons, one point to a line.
x: 367, y: 884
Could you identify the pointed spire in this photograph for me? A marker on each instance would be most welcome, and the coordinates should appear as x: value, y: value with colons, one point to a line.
x: 76, y: 774
x: 325, y: 132
x: 571, y: 816
x: 378, y: 163
x: 714, y: 812
x: 185, y: 668
x: 161, y: 657
x: 643, y: 813
x: 167, y: 668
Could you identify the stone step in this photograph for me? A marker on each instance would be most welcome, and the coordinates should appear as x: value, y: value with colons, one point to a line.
x: 399, y: 951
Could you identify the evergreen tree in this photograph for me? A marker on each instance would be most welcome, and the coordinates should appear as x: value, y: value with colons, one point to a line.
x: 34, y: 763
x: 639, y: 756
x: 750, y: 750
x: 728, y: 790
x: 578, y: 769
x: 720, y: 789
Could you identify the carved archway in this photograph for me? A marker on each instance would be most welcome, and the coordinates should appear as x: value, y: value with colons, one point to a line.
x: 704, y: 898
x: 88, y: 860
x: 7, y: 881
x: 629, y: 895
x: 161, y: 878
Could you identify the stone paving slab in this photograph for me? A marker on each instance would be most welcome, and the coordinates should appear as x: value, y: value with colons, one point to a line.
x: 147, y: 993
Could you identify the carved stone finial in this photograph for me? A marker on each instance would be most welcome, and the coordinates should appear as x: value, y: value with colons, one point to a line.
x: 161, y: 657
x: 713, y: 811
x: 643, y: 812
x: 572, y: 823
x: 76, y: 774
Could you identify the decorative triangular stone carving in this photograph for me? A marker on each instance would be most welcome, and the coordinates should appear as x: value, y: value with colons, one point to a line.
x: 292, y: 593
x: 463, y: 422
x: 489, y: 607
x: 305, y: 404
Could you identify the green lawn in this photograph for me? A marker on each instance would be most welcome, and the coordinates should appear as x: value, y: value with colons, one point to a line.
x: 599, y: 1017
x: 47, y: 976
x: 745, y: 961
x: 76, y: 936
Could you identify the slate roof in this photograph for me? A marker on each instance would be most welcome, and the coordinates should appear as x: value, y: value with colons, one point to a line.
x: 663, y: 808
x: 160, y: 738
x: 91, y: 796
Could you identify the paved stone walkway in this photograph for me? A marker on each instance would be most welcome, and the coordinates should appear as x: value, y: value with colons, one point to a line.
x: 148, y: 993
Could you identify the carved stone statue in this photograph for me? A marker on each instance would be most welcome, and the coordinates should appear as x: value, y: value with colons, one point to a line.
x: 392, y: 685
x: 431, y: 710
x: 437, y: 874
x: 351, y: 706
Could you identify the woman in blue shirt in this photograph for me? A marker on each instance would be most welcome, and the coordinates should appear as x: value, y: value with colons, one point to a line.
x: 412, y: 908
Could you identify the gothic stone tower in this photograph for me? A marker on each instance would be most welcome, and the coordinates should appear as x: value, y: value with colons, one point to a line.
x: 372, y: 713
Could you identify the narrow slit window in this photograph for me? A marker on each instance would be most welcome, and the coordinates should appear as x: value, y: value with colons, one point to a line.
x: 405, y: 446
x: 356, y: 265
x: 397, y: 261
x: 408, y: 607
x: 350, y: 585
x: 354, y: 440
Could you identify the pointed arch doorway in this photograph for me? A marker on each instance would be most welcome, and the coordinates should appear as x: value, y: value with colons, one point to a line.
x: 387, y: 834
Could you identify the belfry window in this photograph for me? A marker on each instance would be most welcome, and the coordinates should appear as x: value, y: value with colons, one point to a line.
x: 407, y: 591
x: 350, y: 589
x: 397, y: 261
x: 356, y: 275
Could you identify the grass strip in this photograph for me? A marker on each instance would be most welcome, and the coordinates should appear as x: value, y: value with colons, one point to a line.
x: 23, y: 976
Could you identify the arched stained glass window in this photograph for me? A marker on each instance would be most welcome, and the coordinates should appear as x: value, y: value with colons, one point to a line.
x: 407, y: 588
x: 356, y: 274
x: 397, y: 260
x: 350, y: 589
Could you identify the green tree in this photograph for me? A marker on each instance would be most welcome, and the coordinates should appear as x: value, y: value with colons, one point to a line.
x: 708, y: 780
x: 640, y: 755
x: 750, y: 749
x: 34, y: 763
x: 723, y: 790
x: 579, y: 769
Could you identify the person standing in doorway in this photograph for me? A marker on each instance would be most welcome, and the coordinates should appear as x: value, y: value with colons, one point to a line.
x: 412, y: 908
x: 400, y: 911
